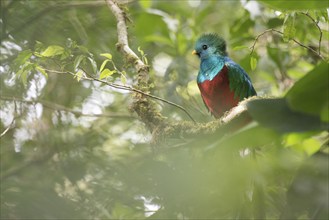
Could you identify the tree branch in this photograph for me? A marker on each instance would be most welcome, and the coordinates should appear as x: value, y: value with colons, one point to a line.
x: 280, y: 32
x: 127, y: 88
x: 144, y: 107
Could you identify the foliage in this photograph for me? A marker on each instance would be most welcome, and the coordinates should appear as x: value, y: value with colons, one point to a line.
x: 72, y: 148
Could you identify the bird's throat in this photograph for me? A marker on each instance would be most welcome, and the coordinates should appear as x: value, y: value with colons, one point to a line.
x: 209, y: 68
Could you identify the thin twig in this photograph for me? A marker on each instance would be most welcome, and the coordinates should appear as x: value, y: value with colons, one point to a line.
x: 58, y: 107
x: 280, y: 32
x: 11, y: 125
x: 317, y: 25
x: 127, y: 88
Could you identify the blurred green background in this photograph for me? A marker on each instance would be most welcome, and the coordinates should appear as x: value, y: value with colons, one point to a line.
x: 71, y: 148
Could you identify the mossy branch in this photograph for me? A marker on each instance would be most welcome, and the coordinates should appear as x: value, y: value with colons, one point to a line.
x: 159, y: 127
x: 144, y: 107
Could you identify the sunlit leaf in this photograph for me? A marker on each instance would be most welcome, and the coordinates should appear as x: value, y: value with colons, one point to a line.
x: 253, y: 62
x: 107, y: 55
x: 103, y: 65
x: 303, y: 142
x: 106, y: 73
x: 140, y: 51
x: 41, y: 70
x: 78, y: 75
x: 145, y: 3
x: 53, y: 50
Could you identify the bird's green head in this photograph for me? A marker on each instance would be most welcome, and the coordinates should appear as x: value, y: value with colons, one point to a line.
x: 209, y: 45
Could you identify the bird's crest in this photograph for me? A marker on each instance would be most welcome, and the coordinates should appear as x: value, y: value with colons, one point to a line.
x: 213, y: 39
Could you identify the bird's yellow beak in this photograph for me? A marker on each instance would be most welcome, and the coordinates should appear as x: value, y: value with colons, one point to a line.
x: 194, y: 52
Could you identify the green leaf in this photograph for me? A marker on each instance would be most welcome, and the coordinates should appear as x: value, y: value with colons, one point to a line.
x: 78, y: 75
x: 83, y: 49
x: 325, y: 112
x: 143, y: 55
x: 303, y: 142
x: 41, y: 70
x: 310, y: 94
x: 242, y: 139
x: 52, y: 51
x: 289, y: 29
x: 240, y: 47
x: 77, y: 61
x: 106, y: 73
x: 123, y: 79
x: 253, y: 62
x: 158, y: 39
x: 24, y: 72
x: 22, y: 58
x: 140, y: 51
x: 93, y: 64
x: 103, y: 65
x: 276, y: 114
x: 295, y: 4
x: 145, y: 3
x: 107, y: 55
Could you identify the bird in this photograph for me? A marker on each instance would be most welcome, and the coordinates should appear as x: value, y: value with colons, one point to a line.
x: 222, y: 82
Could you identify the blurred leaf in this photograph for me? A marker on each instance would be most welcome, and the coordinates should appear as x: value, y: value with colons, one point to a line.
x: 107, y: 55
x: 93, y: 64
x: 78, y: 75
x: 276, y: 114
x: 77, y: 61
x: 253, y: 62
x: 240, y: 47
x: 52, y: 51
x: 41, y: 70
x: 303, y: 142
x: 289, y: 29
x: 22, y: 57
x: 159, y: 39
x: 310, y: 94
x: 242, y: 139
x: 106, y: 73
x: 145, y: 3
x: 325, y: 112
x: 274, y: 22
x: 123, y: 79
x: 24, y: 72
x: 296, y: 5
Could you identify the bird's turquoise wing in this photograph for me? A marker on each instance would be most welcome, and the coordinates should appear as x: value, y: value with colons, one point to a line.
x: 239, y: 81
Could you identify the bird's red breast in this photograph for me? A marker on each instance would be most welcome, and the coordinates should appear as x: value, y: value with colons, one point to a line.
x: 217, y: 95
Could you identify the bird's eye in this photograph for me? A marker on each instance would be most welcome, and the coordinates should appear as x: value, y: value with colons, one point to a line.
x: 204, y: 47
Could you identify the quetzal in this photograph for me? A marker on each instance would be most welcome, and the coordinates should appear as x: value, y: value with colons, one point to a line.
x: 222, y: 82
